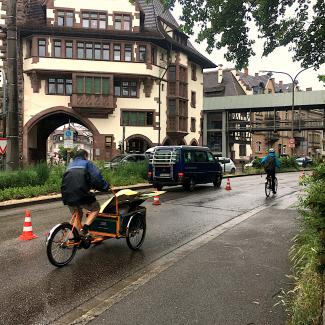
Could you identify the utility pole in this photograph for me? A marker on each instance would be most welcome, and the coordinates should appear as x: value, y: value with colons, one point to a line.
x: 12, y: 112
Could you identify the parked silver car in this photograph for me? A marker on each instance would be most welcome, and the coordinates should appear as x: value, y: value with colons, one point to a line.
x: 125, y: 158
x: 227, y: 164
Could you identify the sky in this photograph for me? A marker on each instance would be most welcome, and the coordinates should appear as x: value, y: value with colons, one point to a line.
x: 279, y: 60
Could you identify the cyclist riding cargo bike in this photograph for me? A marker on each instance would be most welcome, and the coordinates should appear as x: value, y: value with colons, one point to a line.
x: 121, y: 216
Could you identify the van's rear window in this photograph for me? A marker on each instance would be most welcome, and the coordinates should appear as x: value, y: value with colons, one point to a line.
x: 166, y: 155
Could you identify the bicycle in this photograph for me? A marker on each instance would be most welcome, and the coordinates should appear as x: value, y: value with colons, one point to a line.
x: 268, y: 185
x: 121, y: 216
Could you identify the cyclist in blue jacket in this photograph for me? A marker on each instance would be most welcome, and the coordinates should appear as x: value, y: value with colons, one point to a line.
x: 270, y: 163
x: 80, y: 177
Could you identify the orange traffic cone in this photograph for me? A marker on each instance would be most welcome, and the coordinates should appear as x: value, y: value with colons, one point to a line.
x: 228, y: 187
x: 27, y: 233
x: 156, y: 200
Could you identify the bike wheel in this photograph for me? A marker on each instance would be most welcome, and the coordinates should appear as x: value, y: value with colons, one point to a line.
x: 136, y: 232
x: 276, y: 185
x: 268, y: 188
x: 61, y: 245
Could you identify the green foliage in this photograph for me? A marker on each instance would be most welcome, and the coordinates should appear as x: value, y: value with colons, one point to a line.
x: 41, y: 179
x: 257, y: 163
x: 303, y: 303
x: 63, y: 152
x: 227, y: 24
x: 287, y: 162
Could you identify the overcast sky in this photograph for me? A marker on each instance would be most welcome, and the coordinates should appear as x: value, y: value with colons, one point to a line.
x: 279, y: 60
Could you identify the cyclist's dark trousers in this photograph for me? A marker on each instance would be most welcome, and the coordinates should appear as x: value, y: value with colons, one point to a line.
x: 271, y: 172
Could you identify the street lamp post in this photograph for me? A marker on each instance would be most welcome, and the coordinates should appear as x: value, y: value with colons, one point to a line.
x: 293, y: 79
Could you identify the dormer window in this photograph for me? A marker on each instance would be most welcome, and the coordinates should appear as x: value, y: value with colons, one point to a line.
x: 65, y: 18
x: 122, y: 22
x: 94, y: 20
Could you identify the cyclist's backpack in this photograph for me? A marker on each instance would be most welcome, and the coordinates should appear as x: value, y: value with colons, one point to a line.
x: 269, y: 163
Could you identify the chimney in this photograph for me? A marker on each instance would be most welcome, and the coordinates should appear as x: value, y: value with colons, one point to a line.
x: 309, y: 89
x: 246, y: 71
x: 219, y: 74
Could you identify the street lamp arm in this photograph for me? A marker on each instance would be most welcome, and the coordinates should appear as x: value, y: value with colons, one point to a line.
x: 282, y: 72
x: 300, y: 72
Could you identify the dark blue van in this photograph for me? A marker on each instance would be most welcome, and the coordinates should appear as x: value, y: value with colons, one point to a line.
x: 183, y: 165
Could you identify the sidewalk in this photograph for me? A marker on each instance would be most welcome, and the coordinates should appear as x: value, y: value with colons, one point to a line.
x: 233, y: 279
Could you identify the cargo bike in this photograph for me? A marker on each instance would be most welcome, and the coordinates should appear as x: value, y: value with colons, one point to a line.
x: 121, y: 216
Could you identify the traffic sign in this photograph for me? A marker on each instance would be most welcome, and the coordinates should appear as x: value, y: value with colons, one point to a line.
x: 68, y: 144
x: 68, y: 135
x: 3, y: 146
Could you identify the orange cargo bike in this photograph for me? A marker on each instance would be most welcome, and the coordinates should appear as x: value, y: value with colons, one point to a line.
x: 121, y: 216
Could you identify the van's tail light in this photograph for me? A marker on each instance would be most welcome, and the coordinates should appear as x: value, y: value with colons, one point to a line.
x: 149, y: 174
x: 180, y: 174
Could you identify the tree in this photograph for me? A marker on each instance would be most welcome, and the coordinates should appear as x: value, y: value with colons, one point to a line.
x: 63, y: 152
x: 226, y: 24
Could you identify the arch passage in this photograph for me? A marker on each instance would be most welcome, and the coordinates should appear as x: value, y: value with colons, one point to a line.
x: 38, y: 129
x: 138, y: 143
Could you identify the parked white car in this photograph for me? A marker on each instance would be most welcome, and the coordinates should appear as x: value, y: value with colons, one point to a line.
x: 227, y: 165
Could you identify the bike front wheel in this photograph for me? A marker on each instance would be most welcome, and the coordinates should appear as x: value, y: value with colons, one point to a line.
x: 61, y: 245
x: 136, y: 232
x: 268, y: 188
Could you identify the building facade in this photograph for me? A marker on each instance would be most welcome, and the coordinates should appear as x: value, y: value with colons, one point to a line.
x: 246, y: 145
x: 123, y: 70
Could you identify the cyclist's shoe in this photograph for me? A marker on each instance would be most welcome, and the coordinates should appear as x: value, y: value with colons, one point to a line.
x: 274, y: 192
x: 84, y: 231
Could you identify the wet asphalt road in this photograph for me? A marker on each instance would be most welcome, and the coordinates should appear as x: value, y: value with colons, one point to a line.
x: 35, y: 292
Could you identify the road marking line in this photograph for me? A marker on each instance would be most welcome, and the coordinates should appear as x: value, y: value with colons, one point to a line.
x: 98, y: 305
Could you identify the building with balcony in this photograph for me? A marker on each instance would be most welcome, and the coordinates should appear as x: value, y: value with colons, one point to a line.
x: 123, y: 70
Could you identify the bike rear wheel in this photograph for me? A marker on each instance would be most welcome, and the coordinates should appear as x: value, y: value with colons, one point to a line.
x: 61, y: 245
x: 136, y: 232
x: 276, y: 185
x: 268, y: 187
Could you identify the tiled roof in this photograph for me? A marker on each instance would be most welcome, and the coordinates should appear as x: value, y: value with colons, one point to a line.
x: 253, y: 81
x: 228, y: 87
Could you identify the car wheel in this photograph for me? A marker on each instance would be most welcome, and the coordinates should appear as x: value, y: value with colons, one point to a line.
x: 233, y: 170
x: 217, y: 181
x: 189, y: 186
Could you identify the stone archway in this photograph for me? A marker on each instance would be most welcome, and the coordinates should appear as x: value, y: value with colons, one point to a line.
x: 40, y: 126
x: 138, y: 143
x: 194, y: 142
x: 167, y: 142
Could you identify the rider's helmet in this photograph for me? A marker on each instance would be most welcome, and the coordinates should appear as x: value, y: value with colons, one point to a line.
x: 271, y: 150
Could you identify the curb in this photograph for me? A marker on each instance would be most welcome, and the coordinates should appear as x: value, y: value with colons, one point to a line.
x: 57, y: 197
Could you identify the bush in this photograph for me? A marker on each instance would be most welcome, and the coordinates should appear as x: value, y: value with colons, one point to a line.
x: 288, y: 162
x: 303, y: 303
